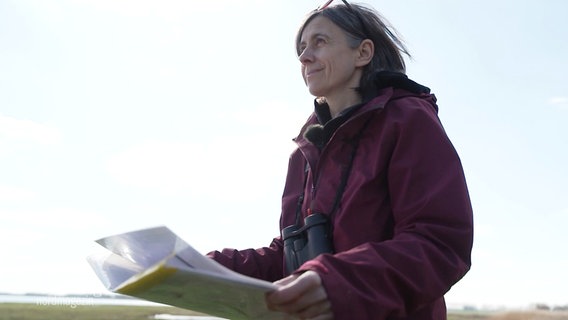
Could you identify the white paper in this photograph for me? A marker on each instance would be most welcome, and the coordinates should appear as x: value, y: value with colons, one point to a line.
x: 156, y: 265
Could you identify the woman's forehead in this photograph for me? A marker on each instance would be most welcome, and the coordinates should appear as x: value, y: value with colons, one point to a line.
x: 319, y: 26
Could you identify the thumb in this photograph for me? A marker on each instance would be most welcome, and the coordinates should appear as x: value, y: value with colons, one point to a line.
x: 287, y: 280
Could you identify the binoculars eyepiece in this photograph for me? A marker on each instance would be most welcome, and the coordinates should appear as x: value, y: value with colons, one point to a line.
x: 307, y: 242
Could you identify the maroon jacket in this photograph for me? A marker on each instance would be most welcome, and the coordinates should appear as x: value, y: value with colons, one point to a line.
x: 403, y: 230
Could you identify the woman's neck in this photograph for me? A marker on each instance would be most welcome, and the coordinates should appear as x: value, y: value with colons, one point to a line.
x: 341, y: 102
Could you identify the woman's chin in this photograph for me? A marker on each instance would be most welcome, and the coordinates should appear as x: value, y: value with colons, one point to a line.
x: 316, y: 92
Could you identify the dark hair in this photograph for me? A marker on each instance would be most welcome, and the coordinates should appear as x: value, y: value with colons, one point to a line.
x: 361, y: 23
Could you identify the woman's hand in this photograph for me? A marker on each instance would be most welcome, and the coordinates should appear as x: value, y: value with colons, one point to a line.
x: 301, y: 295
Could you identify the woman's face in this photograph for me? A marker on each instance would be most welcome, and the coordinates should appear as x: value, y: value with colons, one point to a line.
x: 328, y: 63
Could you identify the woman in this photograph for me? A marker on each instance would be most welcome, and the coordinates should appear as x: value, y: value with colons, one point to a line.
x: 381, y: 179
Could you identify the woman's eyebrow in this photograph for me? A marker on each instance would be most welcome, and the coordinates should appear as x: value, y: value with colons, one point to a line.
x: 316, y: 35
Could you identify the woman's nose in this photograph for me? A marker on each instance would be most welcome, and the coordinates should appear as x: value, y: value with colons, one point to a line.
x: 306, y: 56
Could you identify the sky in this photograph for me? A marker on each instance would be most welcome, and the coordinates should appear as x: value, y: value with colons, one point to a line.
x: 117, y: 115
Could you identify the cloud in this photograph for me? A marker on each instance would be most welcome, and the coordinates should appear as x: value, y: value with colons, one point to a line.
x: 223, y: 167
x: 10, y: 193
x: 273, y: 119
x: 16, y: 130
x: 55, y: 239
x: 160, y: 164
x: 170, y: 8
x: 561, y: 102
x: 250, y: 154
x: 50, y: 219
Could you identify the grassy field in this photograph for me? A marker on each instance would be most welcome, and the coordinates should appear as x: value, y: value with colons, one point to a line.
x: 17, y: 311
x: 508, y: 315
x: 30, y: 311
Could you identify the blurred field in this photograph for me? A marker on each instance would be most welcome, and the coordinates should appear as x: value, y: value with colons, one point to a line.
x: 537, y: 315
x: 29, y: 311
x: 508, y: 315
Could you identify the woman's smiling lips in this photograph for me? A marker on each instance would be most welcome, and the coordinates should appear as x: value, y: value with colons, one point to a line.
x: 312, y: 72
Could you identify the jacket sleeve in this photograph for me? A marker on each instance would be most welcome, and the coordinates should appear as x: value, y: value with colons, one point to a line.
x: 264, y: 263
x: 433, y: 228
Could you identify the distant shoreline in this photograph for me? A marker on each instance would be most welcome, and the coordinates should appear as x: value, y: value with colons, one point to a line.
x: 73, y: 299
x: 85, y: 299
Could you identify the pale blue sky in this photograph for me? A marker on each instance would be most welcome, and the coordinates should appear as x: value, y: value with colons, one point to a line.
x: 123, y: 114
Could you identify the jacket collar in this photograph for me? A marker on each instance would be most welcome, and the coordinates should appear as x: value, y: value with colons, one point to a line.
x: 320, y: 127
x: 383, y: 79
x: 386, y: 82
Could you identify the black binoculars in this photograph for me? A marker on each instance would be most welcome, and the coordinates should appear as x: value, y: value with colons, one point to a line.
x: 307, y: 242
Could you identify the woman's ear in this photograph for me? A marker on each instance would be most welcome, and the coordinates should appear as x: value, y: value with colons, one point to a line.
x: 366, y: 51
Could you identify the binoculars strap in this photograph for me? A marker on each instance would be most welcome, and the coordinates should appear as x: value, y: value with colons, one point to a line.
x: 344, y: 177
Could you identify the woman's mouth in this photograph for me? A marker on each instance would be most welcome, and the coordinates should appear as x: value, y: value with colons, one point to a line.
x: 312, y: 72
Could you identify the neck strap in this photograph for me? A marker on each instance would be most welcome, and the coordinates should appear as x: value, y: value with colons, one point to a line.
x: 344, y: 177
